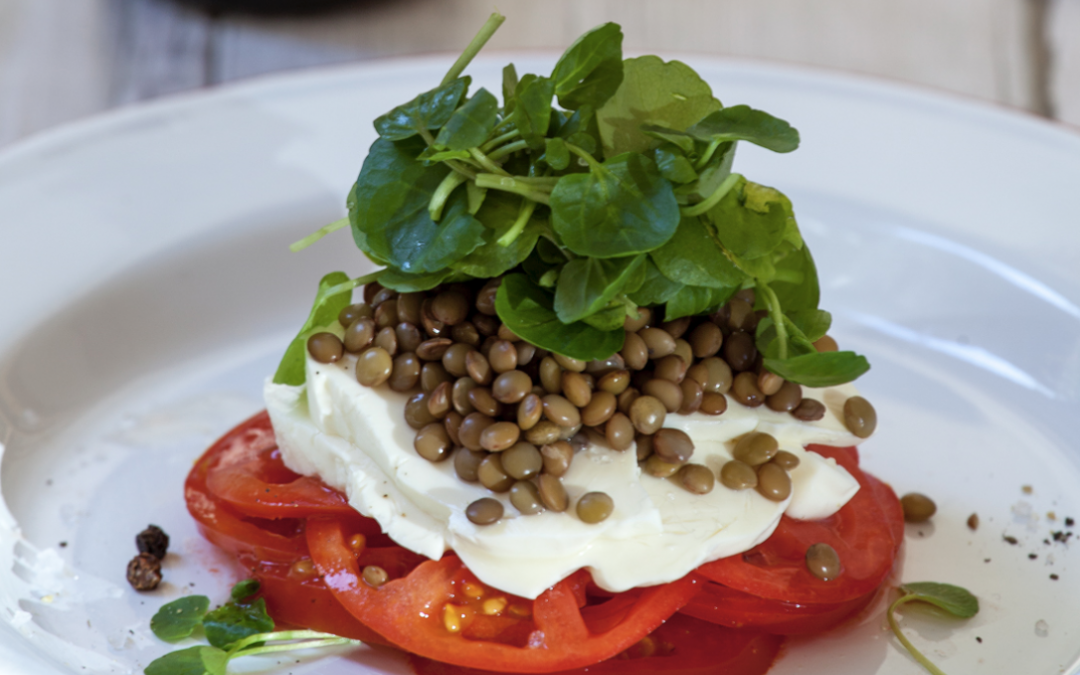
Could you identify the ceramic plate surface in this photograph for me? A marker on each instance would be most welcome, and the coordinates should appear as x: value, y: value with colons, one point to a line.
x: 147, y: 290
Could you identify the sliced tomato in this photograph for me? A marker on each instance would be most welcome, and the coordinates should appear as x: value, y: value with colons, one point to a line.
x: 866, y: 533
x: 438, y: 612
x: 681, y: 646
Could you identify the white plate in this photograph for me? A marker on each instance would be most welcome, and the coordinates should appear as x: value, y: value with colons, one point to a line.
x: 147, y: 290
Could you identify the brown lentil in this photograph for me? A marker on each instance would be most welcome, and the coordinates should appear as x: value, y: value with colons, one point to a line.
x: 465, y: 332
x: 918, y: 508
x: 692, y: 395
x: 433, y: 349
x: 375, y: 576
x: 349, y: 314
x: 755, y: 448
x: 643, y: 318
x: 433, y: 442
x: 503, y: 356
x: 459, y: 395
x: 359, y: 335
x: 454, y: 359
x: 697, y: 478
x: 826, y: 344
x: 526, y: 498
x: 769, y: 383
x: 373, y: 367
x: 599, y: 409
x: 511, y: 386
x: 491, y: 474
x: 408, y: 337
x: 713, y: 404
x: 406, y: 373
x: 522, y: 461
x: 594, y: 507
x: 745, y: 390
x: 416, y: 411
x: 525, y: 353
x: 500, y: 436
x: 860, y: 417
x: 484, y: 511
x: 786, y: 399
x: 823, y: 562
x: 449, y: 307
x: 452, y: 422
x: 785, y: 460
x: 409, y: 306
x: 556, y: 457
x: 370, y: 291
x: 381, y: 295
x: 677, y: 327
x: 619, y: 431
x: 560, y: 411
x: 386, y: 314
x: 576, y: 389
x: 438, y: 401
x: 635, y: 352
x: 432, y: 374
x: 626, y: 399
x: 471, y: 427
x: 543, y: 432
x: 739, y: 313
x: 505, y: 333
x: 654, y: 466
x: 478, y: 368
x: 666, y: 391
x: 713, y: 374
x: 467, y: 463
x: 658, y: 342
x: 387, y: 339
x: 486, y: 325
x: 774, y: 483
x: 706, y: 340
x: 529, y: 411
x: 672, y: 445
x: 484, y: 402
x: 644, y: 447
x: 738, y: 475
x: 552, y: 493
x: 809, y: 410
x: 485, y: 299
x: 684, y: 351
x: 614, y: 382
x: 551, y: 375
x: 671, y: 368
x: 325, y: 347
x: 647, y: 414
x: 739, y: 351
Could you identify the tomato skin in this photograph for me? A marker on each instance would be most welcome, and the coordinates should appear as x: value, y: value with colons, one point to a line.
x: 410, y: 613
x: 683, y: 645
x: 866, y: 533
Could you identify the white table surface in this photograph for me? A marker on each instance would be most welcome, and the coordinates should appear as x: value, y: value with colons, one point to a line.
x: 66, y: 59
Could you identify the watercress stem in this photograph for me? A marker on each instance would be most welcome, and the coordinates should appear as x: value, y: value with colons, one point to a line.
x: 487, y: 163
x: 509, y: 184
x: 713, y: 199
x: 707, y: 155
x: 474, y: 47
x: 580, y: 152
x: 319, y: 234
x: 291, y: 646
x: 239, y: 645
x: 499, y: 140
x: 777, y: 316
x: 524, y: 214
x: 508, y: 149
x: 443, y: 192
x: 915, y: 653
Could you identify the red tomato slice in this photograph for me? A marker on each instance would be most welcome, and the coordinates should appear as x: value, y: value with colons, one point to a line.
x: 554, y: 632
x: 866, y: 534
x: 725, y: 606
x: 681, y: 646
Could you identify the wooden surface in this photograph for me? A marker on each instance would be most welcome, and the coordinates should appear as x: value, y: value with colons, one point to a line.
x: 65, y: 59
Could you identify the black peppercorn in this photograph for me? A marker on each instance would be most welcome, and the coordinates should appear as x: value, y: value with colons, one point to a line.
x: 144, y: 572
x: 152, y: 541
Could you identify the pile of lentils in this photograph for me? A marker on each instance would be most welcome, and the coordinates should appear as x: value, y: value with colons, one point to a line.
x: 511, y: 416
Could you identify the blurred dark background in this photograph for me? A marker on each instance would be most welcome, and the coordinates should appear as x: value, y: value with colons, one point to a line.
x: 65, y: 59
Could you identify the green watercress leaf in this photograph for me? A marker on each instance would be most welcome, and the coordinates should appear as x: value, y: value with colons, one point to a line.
x: 491, y: 259
x: 532, y: 114
x: 587, y: 285
x: 555, y: 153
x: 509, y: 86
x: 608, y: 319
x: 691, y: 300
x: 673, y: 164
x: 713, y: 174
x: 591, y: 69
x: 693, y: 257
x: 235, y: 621
x: 432, y: 155
x: 429, y: 110
x: 527, y: 310
x: 743, y: 123
x: 622, y: 207
x: 752, y: 220
x: 654, y: 92
x: 324, y: 311
x: 244, y: 589
x: 953, y: 599
x: 825, y: 369
x: 178, y: 619
x: 391, y: 220
x: 471, y: 124
x: 655, y: 289
x: 403, y: 282
x: 197, y: 660
x: 794, y: 278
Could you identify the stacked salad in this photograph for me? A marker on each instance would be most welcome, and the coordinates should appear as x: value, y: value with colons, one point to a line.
x: 573, y: 234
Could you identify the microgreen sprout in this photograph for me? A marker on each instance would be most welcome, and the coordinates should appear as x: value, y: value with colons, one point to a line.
x: 952, y: 599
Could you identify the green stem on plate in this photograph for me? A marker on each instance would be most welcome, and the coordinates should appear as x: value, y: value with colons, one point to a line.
x: 319, y: 234
x: 713, y: 199
x: 474, y: 47
x: 915, y: 653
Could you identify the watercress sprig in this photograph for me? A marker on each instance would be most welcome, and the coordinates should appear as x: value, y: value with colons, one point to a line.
x: 952, y: 599
x: 601, y: 187
x: 240, y: 627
